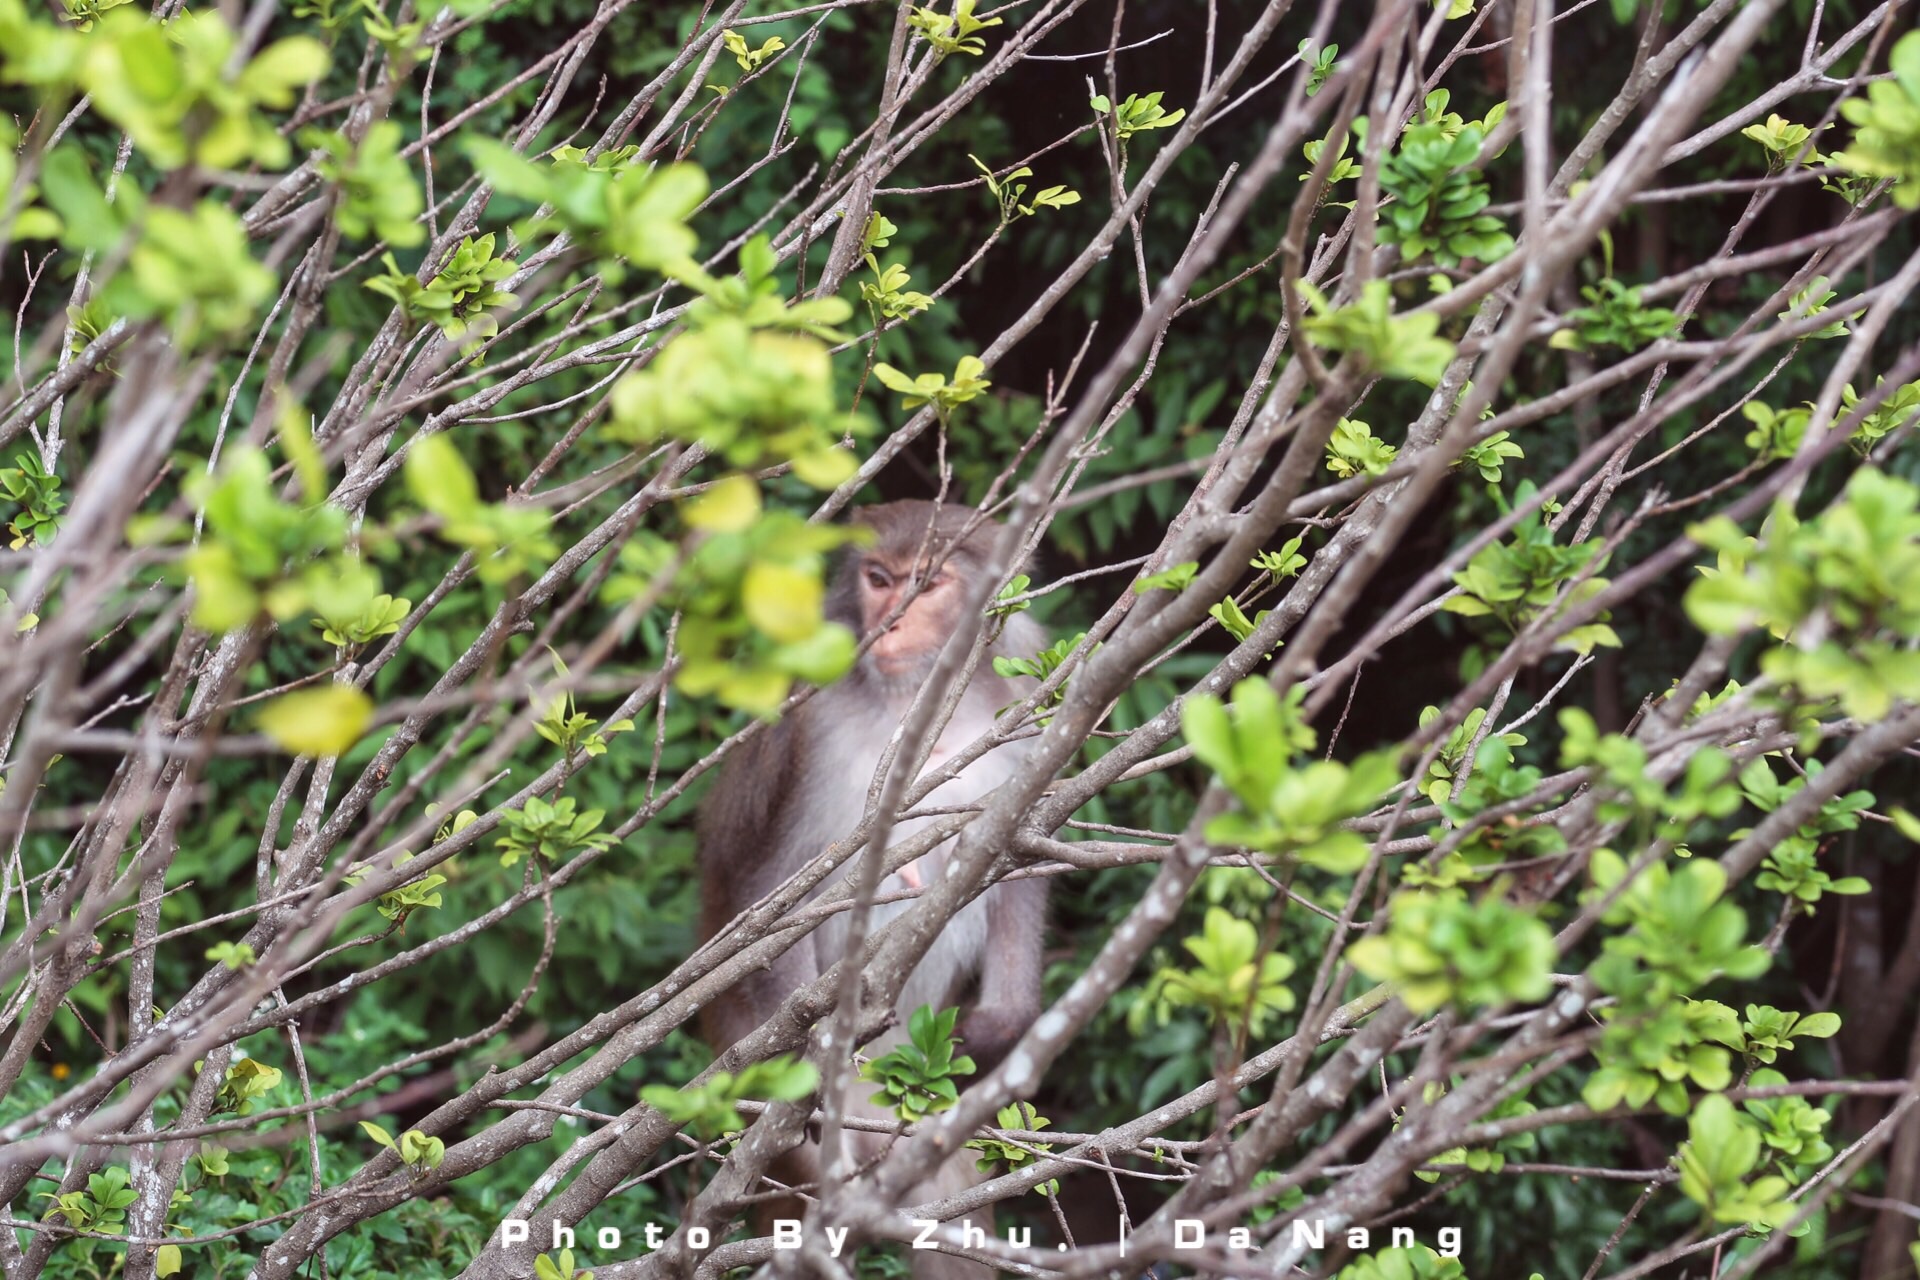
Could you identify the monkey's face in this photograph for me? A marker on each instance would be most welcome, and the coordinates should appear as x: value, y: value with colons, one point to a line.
x: 916, y: 635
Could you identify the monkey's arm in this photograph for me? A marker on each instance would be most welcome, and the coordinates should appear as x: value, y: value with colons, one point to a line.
x: 738, y: 818
x: 1009, y: 971
x: 743, y: 855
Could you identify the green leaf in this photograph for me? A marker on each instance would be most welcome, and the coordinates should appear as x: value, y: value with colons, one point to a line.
x: 317, y: 722
x: 1174, y: 579
x: 730, y: 506
x: 1820, y: 1026
x: 439, y: 478
x: 282, y: 67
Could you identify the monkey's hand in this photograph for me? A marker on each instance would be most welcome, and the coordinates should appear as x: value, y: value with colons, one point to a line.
x: 987, y: 1034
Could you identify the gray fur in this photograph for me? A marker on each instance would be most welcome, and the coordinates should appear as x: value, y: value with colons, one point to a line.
x: 803, y: 785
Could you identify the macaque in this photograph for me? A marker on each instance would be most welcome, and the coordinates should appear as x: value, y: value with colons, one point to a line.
x: 803, y: 784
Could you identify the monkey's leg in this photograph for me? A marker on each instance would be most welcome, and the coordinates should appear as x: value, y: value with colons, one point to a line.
x: 799, y: 1167
x: 736, y: 1013
x: 1010, y: 970
x: 950, y: 1179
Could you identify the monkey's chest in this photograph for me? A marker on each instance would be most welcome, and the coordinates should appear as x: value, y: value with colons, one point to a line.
x: 953, y: 955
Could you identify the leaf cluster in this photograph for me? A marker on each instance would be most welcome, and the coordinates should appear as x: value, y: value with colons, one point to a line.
x: 459, y: 298
x: 752, y: 381
x: 549, y: 829
x: 711, y: 1108
x: 1016, y: 1155
x: 1235, y: 982
x: 1354, y: 450
x: 1514, y: 583
x: 951, y: 33
x: 1614, y: 316
x: 1391, y: 345
x: 1009, y: 193
x: 751, y: 595
x: 1293, y: 810
x: 1886, y: 139
x: 1440, y: 948
x: 1137, y: 113
x: 1439, y: 199
x: 35, y: 493
x: 920, y: 1077
x: 1843, y: 591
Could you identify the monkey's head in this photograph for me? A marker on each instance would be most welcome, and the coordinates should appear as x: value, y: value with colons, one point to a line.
x: 913, y: 546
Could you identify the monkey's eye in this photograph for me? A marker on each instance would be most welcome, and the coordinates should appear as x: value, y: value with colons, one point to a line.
x: 877, y: 578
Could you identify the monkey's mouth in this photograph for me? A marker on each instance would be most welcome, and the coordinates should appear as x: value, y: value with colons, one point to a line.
x: 893, y: 652
x: 910, y: 875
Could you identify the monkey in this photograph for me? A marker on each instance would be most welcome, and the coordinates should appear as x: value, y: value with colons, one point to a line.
x: 798, y: 786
